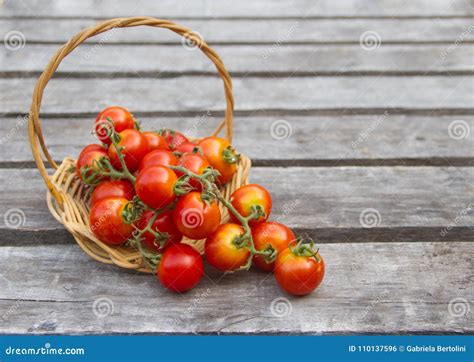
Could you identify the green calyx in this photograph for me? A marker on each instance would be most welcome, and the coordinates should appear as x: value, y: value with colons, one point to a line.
x: 133, y: 210
x: 305, y: 249
x: 230, y: 156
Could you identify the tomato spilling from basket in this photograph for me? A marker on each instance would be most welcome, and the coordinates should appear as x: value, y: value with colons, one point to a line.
x: 152, y: 190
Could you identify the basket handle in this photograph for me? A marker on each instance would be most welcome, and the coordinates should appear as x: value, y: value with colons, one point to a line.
x: 34, y: 126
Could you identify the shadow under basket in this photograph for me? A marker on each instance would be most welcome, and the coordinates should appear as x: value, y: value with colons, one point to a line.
x: 68, y: 197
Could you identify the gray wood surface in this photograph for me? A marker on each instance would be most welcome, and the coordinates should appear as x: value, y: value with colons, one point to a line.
x: 298, y: 60
x: 369, y: 288
x: 201, y: 94
x: 362, y: 133
x: 232, y: 9
x: 326, y: 203
x: 304, y: 140
x: 217, y: 31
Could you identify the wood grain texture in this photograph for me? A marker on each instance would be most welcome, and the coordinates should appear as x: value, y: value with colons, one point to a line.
x: 231, y: 9
x: 330, y: 204
x: 369, y: 288
x: 316, y: 140
x: 297, y: 60
x: 218, y: 31
x: 201, y: 94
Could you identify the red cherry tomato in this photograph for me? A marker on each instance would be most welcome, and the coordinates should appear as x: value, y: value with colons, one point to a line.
x: 155, y: 186
x: 155, y: 141
x: 90, y: 159
x: 173, y: 138
x: 163, y: 224
x: 244, y: 198
x: 195, y: 163
x: 135, y: 147
x: 92, y: 147
x: 113, y: 188
x: 221, y: 156
x: 107, y: 223
x: 194, y: 218
x: 298, y: 275
x: 270, y: 235
x: 121, y: 118
x: 158, y: 157
x: 220, y: 250
x: 185, y: 147
x: 181, y: 268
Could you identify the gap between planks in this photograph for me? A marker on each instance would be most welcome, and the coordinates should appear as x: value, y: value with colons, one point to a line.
x: 241, y: 74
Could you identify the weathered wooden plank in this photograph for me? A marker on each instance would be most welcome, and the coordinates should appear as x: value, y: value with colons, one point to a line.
x: 228, y: 8
x: 295, y: 140
x: 160, y: 61
x: 369, y: 288
x: 203, y: 94
x: 279, y: 31
x: 331, y: 204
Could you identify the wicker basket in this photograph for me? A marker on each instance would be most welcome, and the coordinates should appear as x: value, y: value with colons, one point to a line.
x: 68, y: 198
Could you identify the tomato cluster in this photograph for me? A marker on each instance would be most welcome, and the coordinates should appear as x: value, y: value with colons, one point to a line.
x: 151, y: 189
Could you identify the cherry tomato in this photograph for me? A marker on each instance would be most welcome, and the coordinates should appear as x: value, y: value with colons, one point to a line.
x: 220, y: 250
x: 181, y: 268
x: 155, y: 141
x: 194, y: 218
x: 155, y: 186
x: 297, y: 274
x: 163, y: 224
x: 89, y: 159
x: 271, y: 235
x: 107, y: 223
x: 195, y: 163
x: 92, y: 147
x: 221, y: 156
x: 244, y: 198
x: 158, y: 157
x: 121, y: 118
x: 173, y: 138
x: 185, y: 147
x: 113, y: 188
x: 135, y: 147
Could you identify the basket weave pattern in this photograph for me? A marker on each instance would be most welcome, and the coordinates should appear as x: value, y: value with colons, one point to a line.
x: 68, y: 197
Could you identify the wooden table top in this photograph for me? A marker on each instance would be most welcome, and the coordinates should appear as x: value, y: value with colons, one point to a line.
x: 358, y: 117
